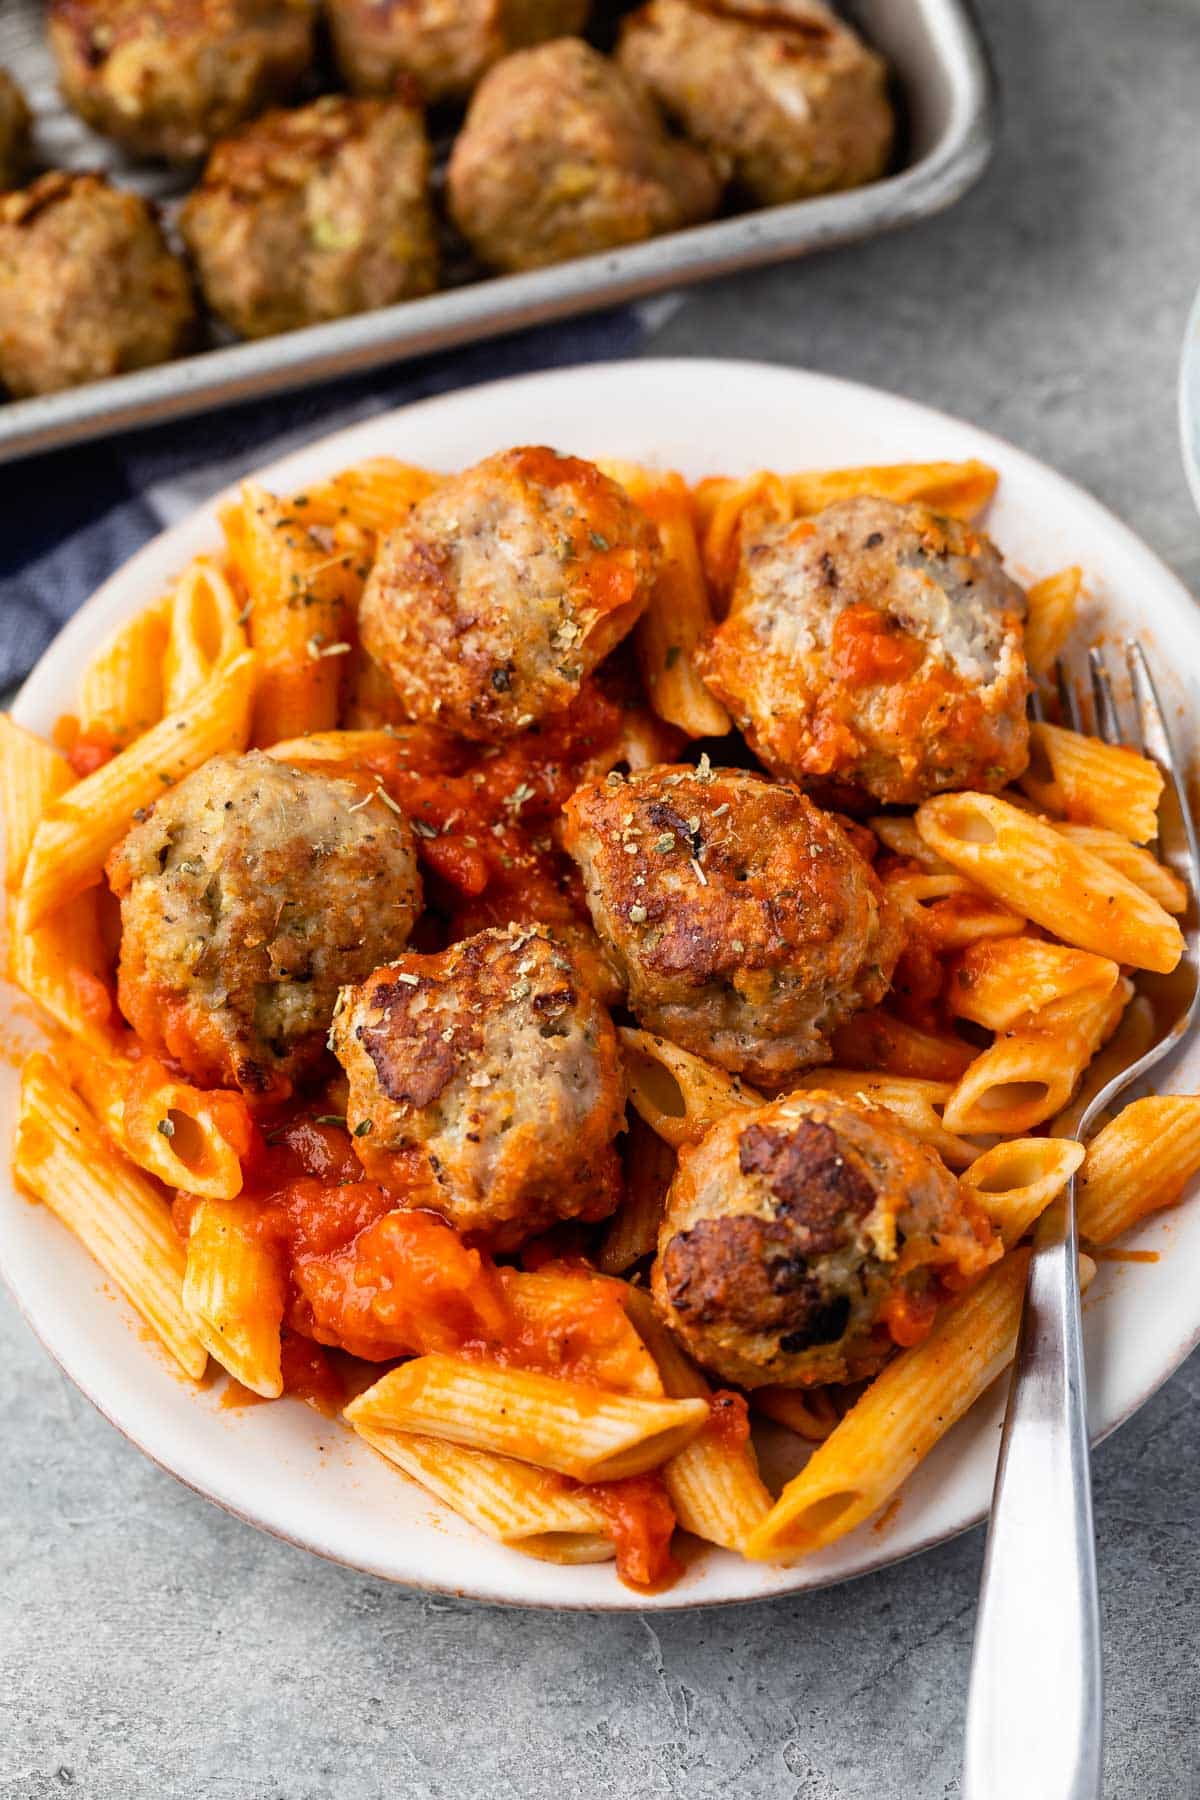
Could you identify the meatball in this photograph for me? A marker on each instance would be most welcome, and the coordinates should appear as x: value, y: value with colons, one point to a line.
x: 803, y: 1240
x: 784, y: 95
x: 878, y: 645
x: 446, y: 45
x: 504, y: 588
x: 562, y: 155
x: 313, y: 214
x: 14, y: 131
x: 166, y: 78
x: 744, y: 921
x: 88, y: 287
x: 248, y: 895
x: 485, y: 1084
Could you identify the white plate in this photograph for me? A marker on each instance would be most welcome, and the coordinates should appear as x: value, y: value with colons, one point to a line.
x: 307, y: 1480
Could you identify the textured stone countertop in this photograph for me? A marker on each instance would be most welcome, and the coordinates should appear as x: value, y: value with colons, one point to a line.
x: 153, y: 1649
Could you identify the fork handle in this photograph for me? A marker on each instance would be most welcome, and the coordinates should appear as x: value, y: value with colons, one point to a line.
x: 1035, y: 1712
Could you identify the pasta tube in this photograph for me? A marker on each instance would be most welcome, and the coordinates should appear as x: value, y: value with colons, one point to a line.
x: 121, y: 688
x: 188, y: 1137
x: 32, y: 776
x: 1039, y: 873
x: 233, y: 1293
x: 678, y: 1095
x: 1053, y: 603
x: 918, y: 1104
x: 526, y: 1509
x: 713, y: 1483
x: 581, y: 1431
x: 204, y: 631
x: 679, y: 613
x: 898, y: 1420
x: 63, y: 966
x: 1093, y: 783
x: 61, y: 1157
x: 996, y: 984
x: 632, y: 1232
x: 1029, y: 1074
x: 77, y: 832
x: 1015, y: 1182
x: 1140, y: 1162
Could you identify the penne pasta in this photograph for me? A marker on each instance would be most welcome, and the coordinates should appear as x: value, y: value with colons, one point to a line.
x: 879, y: 1043
x: 713, y: 1483
x: 118, y: 1216
x: 809, y: 1412
x: 63, y: 966
x: 947, y: 909
x: 632, y: 1232
x: 1139, y: 1163
x: 999, y: 983
x: 121, y: 688
x: 378, y: 494
x: 898, y: 1420
x: 1128, y: 1044
x: 1015, y: 1182
x: 528, y: 1509
x: 1089, y: 782
x: 300, y: 606
x: 1130, y: 860
x: 581, y: 1318
x: 187, y: 1137
x: 1031, y: 867
x: 79, y: 829
x: 678, y: 1095
x: 1053, y: 603
x: 204, y: 631
x: 917, y: 1104
x: 233, y: 1293
x: 578, y: 1430
x: 32, y: 776
x: 1031, y: 1071
x: 679, y: 613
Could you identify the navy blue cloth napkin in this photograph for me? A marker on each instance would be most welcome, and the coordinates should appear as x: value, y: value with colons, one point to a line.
x: 73, y: 516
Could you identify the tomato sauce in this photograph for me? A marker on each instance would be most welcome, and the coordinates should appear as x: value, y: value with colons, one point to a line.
x: 728, y: 1419
x: 641, y: 1521
x: 90, y: 751
x: 869, y: 646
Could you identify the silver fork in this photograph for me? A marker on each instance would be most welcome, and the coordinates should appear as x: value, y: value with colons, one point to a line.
x: 1035, y: 1710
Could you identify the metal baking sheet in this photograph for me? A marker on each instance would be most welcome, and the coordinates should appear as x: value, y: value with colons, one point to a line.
x: 947, y: 103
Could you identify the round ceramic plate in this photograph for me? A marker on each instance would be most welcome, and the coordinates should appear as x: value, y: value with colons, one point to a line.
x: 308, y: 1480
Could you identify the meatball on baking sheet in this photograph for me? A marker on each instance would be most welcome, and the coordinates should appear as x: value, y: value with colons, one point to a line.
x: 639, y: 187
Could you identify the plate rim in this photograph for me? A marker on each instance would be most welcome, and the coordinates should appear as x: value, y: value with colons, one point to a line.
x: 614, y: 1598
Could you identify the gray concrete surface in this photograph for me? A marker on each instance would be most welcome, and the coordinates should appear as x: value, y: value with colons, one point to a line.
x: 153, y: 1649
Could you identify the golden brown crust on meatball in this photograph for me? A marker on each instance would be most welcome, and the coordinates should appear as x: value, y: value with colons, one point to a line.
x: 803, y: 1241
x: 880, y: 645
x: 14, y: 131
x: 314, y: 214
x: 249, y: 895
x: 88, y: 287
x: 781, y: 92
x: 504, y: 589
x: 485, y: 1084
x: 563, y: 155
x: 445, y: 45
x: 167, y: 78
x: 746, y: 924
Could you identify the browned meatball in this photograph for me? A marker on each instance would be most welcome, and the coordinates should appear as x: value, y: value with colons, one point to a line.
x: 504, y: 588
x: 167, y: 78
x: 314, y: 214
x: 88, y: 287
x: 879, y: 645
x: 446, y: 45
x: 785, y: 96
x: 249, y: 894
x: 745, y: 922
x: 485, y: 1084
x: 562, y: 155
x: 803, y: 1241
x: 14, y: 131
